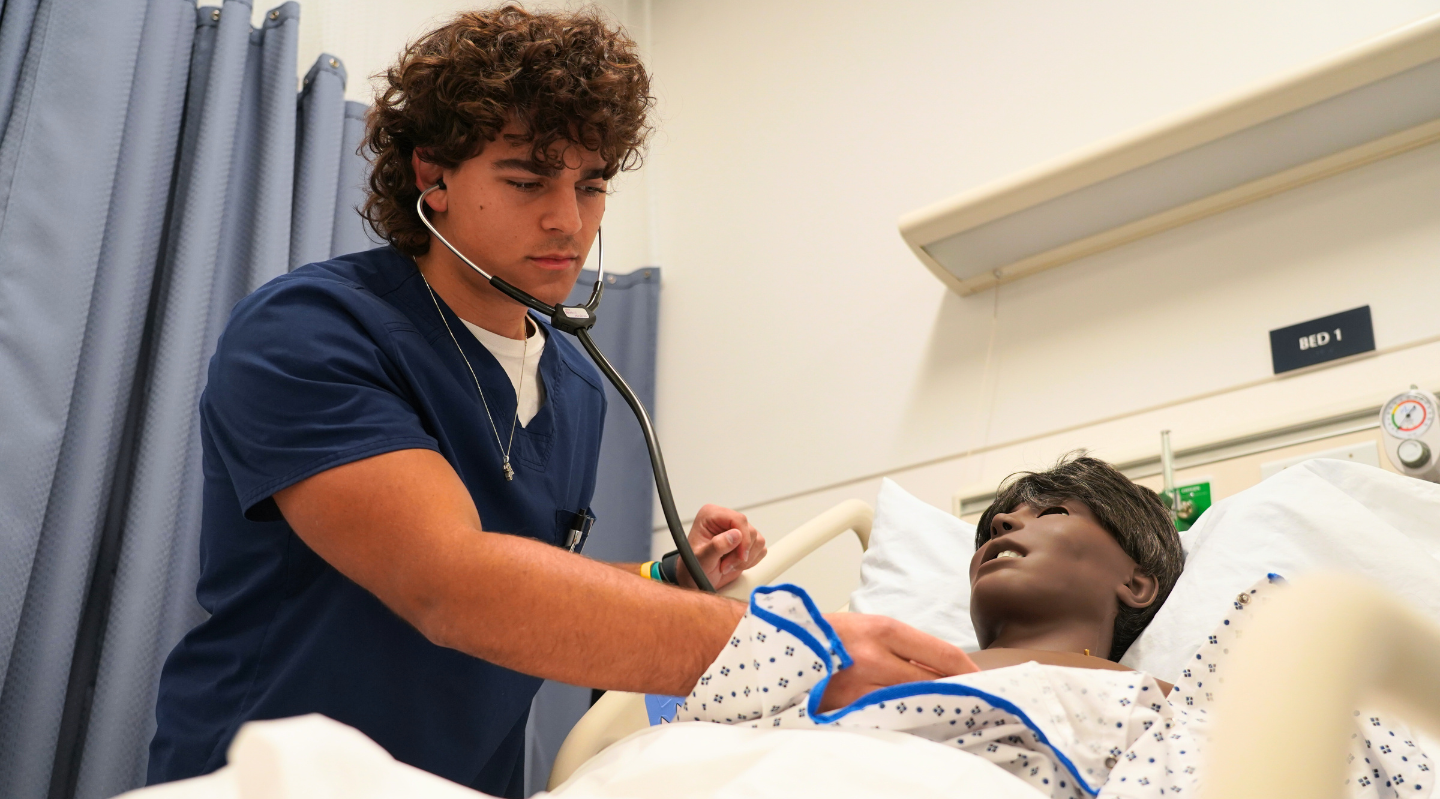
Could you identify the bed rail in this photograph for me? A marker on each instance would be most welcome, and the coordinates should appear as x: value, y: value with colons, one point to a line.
x: 618, y: 714
x: 852, y: 514
x: 1329, y: 644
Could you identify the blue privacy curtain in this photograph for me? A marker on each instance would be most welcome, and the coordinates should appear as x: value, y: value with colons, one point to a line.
x: 155, y: 167
x: 626, y: 328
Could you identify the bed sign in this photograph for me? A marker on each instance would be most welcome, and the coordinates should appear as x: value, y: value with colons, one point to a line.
x: 1319, y: 340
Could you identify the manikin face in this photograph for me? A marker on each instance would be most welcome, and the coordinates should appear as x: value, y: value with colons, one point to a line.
x: 527, y: 224
x: 1049, y: 564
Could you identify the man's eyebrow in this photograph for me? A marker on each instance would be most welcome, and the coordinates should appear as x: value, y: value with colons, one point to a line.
x: 526, y: 165
x: 536, y: 168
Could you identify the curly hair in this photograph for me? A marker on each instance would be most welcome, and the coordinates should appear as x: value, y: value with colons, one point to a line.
x: 1132, y: 514
x: 566, y: 77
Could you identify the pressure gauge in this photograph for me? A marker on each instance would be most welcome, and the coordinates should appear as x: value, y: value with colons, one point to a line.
x: 1408, y: 415
x: 1412, y: 438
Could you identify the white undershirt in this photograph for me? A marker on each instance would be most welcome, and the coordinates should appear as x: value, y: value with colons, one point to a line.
x: 510, y: 352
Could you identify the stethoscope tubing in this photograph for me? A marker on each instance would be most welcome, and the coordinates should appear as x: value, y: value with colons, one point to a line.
x: 566, y: 318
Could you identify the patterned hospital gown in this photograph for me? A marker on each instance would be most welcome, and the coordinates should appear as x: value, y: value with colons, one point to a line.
x: 1068, y: 732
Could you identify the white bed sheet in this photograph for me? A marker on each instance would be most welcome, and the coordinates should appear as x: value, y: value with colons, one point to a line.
x: 699, y: 759
x: 312, y: 757
x: 307, y: 757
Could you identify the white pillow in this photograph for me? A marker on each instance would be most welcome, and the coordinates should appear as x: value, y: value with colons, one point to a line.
x: 917, y: 569
x: 1320, y: 514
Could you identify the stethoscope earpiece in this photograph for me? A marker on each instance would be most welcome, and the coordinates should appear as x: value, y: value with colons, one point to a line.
x: 552, y: 311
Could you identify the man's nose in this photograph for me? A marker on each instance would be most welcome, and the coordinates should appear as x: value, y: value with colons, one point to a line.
x: 562, y: 215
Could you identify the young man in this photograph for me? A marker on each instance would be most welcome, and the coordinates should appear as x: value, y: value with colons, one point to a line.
x: 395, y: 453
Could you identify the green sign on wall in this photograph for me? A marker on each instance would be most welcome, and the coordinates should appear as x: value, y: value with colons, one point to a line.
x: 1194, y: 500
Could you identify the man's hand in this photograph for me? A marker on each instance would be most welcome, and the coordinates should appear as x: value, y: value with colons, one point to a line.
x: 725, y: 543
x: 887, y: 652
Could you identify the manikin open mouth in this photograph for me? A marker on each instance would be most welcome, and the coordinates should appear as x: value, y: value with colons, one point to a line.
x: 1011, y: 549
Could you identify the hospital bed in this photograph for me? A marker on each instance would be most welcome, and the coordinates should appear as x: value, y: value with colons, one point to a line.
x: 1279, y: 708
x: 1326, y: 645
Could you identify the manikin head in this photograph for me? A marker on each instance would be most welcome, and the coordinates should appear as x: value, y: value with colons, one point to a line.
x: 524, y: 118
x: 1078, y: 547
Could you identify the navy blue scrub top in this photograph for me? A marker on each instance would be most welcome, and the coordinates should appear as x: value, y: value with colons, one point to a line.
x: 332, y: 363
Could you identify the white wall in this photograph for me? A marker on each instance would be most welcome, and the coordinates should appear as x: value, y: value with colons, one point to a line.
x: 804, y: 350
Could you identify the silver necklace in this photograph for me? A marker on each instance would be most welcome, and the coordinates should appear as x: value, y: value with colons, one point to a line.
x: 524, y: 354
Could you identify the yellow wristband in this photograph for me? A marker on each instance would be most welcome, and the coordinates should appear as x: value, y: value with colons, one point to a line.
x: 645, y: 569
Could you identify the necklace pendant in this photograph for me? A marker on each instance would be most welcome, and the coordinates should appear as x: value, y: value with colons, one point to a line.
x: 509, y: 472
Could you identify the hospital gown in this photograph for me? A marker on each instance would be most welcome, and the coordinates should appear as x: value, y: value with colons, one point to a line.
x: 1067, y: 732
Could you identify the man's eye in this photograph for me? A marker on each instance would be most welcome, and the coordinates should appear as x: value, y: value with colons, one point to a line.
x: 523, y: 185
x: 1056, y: 509
x: 595, y: 190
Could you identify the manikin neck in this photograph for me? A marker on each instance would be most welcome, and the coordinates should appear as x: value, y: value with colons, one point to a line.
x: 1057, y: 636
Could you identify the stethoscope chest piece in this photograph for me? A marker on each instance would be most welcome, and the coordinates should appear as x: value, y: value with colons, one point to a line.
x: 573, y: 318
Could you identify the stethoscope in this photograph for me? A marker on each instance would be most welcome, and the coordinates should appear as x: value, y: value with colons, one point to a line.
x: 577, y: 321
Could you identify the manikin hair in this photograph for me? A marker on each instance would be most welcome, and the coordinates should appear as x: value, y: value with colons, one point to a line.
x: 1132, y: 514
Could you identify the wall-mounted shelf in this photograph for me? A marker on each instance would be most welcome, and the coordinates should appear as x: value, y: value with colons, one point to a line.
x: 1377, y: 99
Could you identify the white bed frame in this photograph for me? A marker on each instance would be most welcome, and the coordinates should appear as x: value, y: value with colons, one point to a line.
x: 1326, y: 645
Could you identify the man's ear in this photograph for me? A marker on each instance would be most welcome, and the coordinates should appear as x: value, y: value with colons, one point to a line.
x: 427, y: 175
x: 1140, y: 591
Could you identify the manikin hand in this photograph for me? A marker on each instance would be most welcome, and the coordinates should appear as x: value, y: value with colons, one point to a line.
x: 725, y: 543
x: 887, y: 652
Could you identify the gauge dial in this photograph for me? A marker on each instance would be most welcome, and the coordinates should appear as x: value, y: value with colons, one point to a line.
x: 1414, y: 454
x: 1408, y: 415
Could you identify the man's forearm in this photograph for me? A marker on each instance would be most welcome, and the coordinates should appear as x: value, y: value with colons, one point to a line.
x: 530, y: 607
x: 628, y: 568
x: 404, y: 527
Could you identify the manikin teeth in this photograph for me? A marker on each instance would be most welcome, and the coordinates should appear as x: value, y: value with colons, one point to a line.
x: 1009, y: 553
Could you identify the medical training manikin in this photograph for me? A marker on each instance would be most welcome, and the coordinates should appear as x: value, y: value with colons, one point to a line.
x: 1068, y: 732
